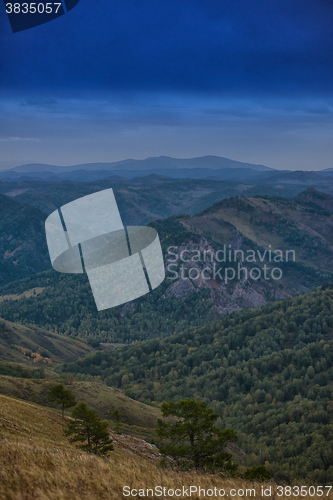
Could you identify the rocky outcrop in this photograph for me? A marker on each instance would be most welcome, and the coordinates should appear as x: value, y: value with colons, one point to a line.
x: 319, y: 198
x: 244, y: 291
x: 181, y: 289
x: 192, y: 266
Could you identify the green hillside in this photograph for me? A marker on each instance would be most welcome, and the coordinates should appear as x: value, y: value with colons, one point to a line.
x: 19, y: 343
x: 34, y: 353
x: 303, y: 224
x: 136, y: 418
x: 67, y: 306
x: 64, y: 303
x: 268, y: 373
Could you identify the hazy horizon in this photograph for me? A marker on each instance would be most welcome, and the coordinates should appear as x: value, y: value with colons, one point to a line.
x: 111, y: 81
x: 9, y: 165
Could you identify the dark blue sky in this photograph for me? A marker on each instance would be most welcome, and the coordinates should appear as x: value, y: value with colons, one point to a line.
x: 248, y: 79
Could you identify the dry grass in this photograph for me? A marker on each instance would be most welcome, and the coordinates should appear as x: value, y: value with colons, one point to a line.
x: 59, y: 348
x: 38, y: 463
x: 135, y: 416
x: 105, y: 400
x: 26, y: 294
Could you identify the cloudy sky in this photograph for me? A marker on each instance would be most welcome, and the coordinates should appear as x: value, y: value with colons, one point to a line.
x: 250, y: 80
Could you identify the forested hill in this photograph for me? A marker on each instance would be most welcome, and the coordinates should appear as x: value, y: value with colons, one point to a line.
x: 64, y: 303
x: 23, y: 249
x: 267, y: 372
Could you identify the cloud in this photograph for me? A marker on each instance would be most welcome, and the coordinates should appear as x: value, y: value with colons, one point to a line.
x: 19, y: 139
x: 42, y: 103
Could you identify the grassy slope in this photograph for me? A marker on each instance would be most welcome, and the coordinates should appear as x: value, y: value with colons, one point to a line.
x: 37, y: 463
x: 282, y: 223
x: 26, y: 294
x: 51, y: 345
x: 136, y: 417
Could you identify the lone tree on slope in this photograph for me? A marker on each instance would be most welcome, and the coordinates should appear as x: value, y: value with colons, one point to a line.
x: 117, y: 417
x: 88, y: 429
x: 62, y: 397
x: 194, y: 440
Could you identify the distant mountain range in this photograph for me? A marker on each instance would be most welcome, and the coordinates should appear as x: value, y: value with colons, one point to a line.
x: 164, y: 167
x: 152, y: 163
x: 206, y: 167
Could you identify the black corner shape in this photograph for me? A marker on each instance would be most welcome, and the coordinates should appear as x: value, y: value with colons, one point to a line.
x: 70, y: 4
x: 24, y: 14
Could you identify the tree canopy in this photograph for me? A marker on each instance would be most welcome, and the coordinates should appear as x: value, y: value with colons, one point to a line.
x: 194, y: 439
x: 88, y: 429
x: 62, y: 397
x: 117, y: 417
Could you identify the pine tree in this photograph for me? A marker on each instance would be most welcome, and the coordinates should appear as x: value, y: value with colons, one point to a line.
x: 194, y: 440
x: 62, y: 397
x: 117, y: 417
x: 88, y: 429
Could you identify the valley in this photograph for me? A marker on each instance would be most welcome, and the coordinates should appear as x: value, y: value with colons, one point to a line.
x: 195, y: 290
x: 258, y: 350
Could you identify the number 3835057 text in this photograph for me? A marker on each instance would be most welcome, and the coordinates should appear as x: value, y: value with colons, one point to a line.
x: 32, y: 8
